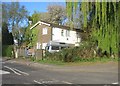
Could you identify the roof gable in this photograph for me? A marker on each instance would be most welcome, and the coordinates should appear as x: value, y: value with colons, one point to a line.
x: 55, y: 25
x: 39, y: 23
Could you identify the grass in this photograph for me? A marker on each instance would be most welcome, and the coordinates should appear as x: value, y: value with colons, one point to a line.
x: 80, y: 62
x: 51, y: 62
x: 76, y: 63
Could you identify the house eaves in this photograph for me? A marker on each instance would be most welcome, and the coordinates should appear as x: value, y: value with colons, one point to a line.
x: 55, y: 25
x: 39, y: 22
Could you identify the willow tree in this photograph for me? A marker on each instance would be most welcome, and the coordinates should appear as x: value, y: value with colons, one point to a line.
x: 104, y: 22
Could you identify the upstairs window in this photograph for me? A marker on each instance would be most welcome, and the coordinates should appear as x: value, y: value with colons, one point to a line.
x: 45, y: 31
x: 62, y: 32
x: 67, y: 33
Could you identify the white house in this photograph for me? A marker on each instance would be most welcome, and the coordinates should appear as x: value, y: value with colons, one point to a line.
x: 57, y: 33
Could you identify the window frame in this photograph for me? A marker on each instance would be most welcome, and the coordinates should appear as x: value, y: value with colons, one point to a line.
x: 62, y: 32
x: 45, y: 31
x: 67, y: 33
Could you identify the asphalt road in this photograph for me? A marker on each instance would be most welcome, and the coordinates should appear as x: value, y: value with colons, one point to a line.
x: 15, y: 73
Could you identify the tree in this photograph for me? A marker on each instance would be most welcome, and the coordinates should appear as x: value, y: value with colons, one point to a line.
x: 56, y: 13
x: 103, y: 16
x: 7, y: 38
x: 35, y: 17
x: 74, y: 15
x: 14, y: 15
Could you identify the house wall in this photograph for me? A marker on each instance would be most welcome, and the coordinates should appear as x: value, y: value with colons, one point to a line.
x: 43, y: 39
x: 71, y: 39
x: 54, y: 34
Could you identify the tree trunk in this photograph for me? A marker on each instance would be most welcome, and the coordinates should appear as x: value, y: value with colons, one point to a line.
x: 16, y: 51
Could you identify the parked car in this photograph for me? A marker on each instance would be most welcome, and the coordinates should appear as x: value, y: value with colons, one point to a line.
x: 55, y: 46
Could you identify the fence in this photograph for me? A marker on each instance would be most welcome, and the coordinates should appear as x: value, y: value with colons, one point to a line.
x: 24, y: 52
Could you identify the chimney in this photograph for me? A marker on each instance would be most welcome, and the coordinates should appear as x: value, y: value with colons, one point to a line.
x: 30, y: 22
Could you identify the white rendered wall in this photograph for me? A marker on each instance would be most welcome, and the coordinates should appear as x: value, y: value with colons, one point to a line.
x: 56, y: 36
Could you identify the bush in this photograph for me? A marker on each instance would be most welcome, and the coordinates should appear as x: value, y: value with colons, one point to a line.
x: 7, y: 50
x: 82, y: 53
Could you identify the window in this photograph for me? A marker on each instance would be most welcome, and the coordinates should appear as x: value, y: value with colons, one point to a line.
x: 44, y: 45
x: 62, y: 33
x: 38, y: 46
x: 67, y: 33
x: 44, y: 31
x: 55, y: 47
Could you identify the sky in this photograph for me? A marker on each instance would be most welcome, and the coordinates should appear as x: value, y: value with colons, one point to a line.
x: 38, y: 6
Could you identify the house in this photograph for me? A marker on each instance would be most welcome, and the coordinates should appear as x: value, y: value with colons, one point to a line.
x: 47, y: 32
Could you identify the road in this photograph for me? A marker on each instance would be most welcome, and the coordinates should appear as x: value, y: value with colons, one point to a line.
x: 16, y: 73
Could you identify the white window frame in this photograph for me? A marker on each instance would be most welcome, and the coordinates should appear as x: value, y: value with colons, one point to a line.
x: 62, y: 32
x: 44, y: 45
x: 38, y: 46
x: 45, y: 30
x: 67, y: 33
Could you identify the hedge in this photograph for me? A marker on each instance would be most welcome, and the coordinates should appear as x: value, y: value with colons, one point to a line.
x: 7, y: 50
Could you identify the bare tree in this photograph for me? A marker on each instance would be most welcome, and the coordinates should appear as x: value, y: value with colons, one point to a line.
x: 56, y: 13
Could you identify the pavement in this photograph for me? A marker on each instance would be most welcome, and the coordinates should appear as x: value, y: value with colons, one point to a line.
x: 20, y: 71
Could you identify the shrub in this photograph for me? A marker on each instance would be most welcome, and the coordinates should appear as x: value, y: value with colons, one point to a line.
x: 82, y: 53
x: 7, y: 50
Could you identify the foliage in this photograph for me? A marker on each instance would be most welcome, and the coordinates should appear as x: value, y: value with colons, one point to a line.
x: 85, y: 51
x: 31, y: 36
x: 104, y: 22
x: 7, y: 50
x: 14, y: 15
x: 35, y: 17
x: 27, y: 36
x: 7, y: 38
x: 34, y: 36
x: 75, y: 18
x: 56, y: 14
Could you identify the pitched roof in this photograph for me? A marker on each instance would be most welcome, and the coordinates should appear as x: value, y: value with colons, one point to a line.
x: 39, y: 22
x: 55, y: 25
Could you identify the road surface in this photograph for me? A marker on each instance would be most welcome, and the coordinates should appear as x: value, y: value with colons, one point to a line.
x: 14, y: 72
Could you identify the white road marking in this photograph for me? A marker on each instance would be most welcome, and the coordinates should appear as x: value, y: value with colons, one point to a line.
x: 115, y: 83
x: 47, y: 82
x: 12, y: 70
x: 37, y: 82
x: 4, y: 72
x: 20, y: 71
x: 66, y: 82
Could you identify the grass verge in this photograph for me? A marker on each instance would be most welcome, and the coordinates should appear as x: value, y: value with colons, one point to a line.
x: 79, y: 62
